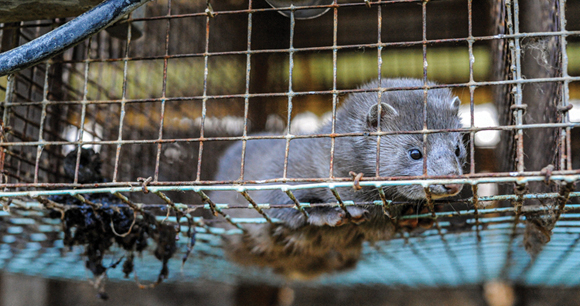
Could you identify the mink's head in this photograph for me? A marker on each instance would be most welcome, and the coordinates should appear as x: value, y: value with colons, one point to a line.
x: 404, y: 154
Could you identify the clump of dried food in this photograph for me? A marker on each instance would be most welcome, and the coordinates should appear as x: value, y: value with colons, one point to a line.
x: 89, y: 166
x: 99, y: 228
x: 104, y: 220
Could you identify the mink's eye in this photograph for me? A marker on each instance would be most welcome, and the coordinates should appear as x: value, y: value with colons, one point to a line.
x: 415, y: 154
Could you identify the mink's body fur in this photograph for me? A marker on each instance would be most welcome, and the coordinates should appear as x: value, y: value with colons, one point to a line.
x: 305, y: 247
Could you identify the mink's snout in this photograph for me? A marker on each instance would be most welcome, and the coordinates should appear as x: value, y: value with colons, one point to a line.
x: 443, y: 191
x: 453, y: 188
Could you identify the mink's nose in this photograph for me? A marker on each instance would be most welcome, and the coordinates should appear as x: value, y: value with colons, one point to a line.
x: 453, y: 188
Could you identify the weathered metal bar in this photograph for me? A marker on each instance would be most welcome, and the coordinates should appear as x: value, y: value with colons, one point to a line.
x: 342, y: 47
x: 164, y: 95
x: 480, y: 178
x: 433, y: 131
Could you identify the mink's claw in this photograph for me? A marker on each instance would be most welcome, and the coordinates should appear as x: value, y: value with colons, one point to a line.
x: 338, y: 217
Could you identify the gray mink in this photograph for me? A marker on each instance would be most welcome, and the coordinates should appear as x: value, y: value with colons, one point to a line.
x: 329, y: 239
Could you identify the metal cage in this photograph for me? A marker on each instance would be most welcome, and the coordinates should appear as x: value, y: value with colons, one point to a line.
x: 161, y: 108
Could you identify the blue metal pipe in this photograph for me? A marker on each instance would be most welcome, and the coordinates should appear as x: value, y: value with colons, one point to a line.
x: 67, y: 35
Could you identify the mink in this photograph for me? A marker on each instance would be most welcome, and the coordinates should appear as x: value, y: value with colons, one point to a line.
x: 329, y: 238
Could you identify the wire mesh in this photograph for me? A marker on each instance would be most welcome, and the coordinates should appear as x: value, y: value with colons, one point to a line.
x: 160, y: 110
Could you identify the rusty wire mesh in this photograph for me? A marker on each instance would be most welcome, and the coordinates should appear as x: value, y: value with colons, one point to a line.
x: 159, y: 110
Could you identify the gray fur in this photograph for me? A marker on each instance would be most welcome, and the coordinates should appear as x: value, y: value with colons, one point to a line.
x: 310, y: 158
x: 324, y: 242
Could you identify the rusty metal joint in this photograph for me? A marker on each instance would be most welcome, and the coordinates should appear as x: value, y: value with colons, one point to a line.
x: 144, y: 182
x: 209, y: 10
x: 522, y: 107
x: 521, y: 189
x: 564, y: 109
x: 547, y: 173
x: 356, y: 178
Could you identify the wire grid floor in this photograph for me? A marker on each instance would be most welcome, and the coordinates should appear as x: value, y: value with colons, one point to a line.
x: 432, y: 258
x: 32, y: 244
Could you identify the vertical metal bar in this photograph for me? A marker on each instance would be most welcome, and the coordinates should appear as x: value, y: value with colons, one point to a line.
x: 480, y: 255
x: 425, y: 91
x: 10, y: 39
x: 334, y: 92
x: 247, y: 92
x: 204, y: 99
x: 123, y: 102
x: 83, y: 112
x: 28, y: 110
x: 10, y: 82
x: 513, y: 28
x: 564, y: 188
x: 519, y: 112
x: 380, y: 91
x: 290, y: 91
x: 474, y: 188
x: 42, y: 121
x: 163, y: 92
x: 566, y: 147
x: 452, y: 257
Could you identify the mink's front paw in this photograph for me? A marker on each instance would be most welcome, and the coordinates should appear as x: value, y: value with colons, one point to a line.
x: 411, y: 224
x: 338, y: 217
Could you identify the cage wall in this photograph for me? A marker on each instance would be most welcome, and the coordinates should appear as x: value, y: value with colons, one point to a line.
x: 156, y: 110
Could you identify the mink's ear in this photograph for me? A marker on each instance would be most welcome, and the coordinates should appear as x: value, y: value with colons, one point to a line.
x: 387, y: 112
x: 454, y: 105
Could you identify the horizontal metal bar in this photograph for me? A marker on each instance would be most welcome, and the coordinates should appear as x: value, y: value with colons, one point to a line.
x: 470, y: 177
x: 305, y: 93
x: 284, y: 187
x: 332, y: 48
x: 466, y: 130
